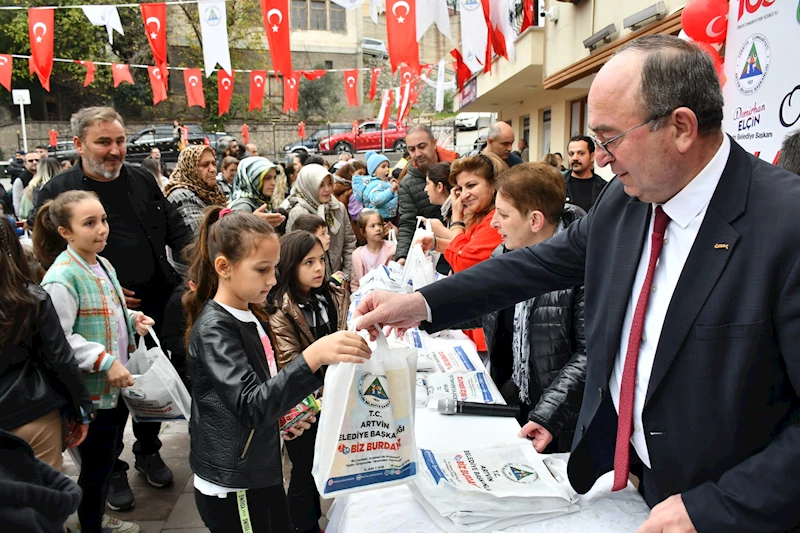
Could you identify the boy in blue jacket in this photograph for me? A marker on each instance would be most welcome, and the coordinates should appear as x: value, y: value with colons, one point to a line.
x: 373, y: 190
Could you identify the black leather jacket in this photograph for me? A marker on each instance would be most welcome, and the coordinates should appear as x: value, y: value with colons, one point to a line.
x: 236, y: 405
x: 39, y: 374
x: 557, y: 353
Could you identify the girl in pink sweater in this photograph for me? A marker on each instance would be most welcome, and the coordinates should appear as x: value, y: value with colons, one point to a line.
x: 378, y: 251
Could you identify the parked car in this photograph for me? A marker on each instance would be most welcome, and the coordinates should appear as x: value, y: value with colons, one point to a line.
x: 472, y: 121
x: 374, y: 47
x: 311, y: 144
x: 141, y: 142
x: 368, y: 137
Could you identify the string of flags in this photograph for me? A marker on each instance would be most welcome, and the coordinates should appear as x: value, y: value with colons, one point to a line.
x: 486, y: 28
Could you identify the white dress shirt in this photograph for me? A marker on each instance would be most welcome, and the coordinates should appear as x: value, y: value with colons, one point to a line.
x: 686, y: 211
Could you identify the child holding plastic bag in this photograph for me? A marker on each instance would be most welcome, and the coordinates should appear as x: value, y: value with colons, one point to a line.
x: 303, y: 308
x: 378, y: 251
x: 91, y: 308
x: 239, y: 395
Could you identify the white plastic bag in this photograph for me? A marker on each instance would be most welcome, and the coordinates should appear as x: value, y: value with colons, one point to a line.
x: 366, y: 438
x: 419, y: 269
x: 158, y: 394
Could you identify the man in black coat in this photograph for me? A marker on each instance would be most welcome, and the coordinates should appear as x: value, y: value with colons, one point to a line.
x: 141, y: 224
x: 689, y: 260
x: 583, y: 185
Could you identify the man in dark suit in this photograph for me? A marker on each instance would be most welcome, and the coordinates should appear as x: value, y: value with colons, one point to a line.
x: 691, y: 264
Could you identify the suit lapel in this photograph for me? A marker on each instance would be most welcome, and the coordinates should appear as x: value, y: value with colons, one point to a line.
x: 630, y: 240
x: 700, y: 273
x: 705, y: 263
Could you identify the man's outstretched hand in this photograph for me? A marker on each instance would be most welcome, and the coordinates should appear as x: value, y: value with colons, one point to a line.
x: 399, y: 311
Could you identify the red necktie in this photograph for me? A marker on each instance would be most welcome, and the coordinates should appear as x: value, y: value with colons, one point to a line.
x: 622, y: 453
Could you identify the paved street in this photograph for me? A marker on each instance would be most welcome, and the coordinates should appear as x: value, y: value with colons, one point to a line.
x: 172, y: 509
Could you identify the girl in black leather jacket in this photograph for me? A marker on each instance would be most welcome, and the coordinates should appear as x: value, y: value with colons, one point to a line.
x: 238, y: 392
x: 39, y: 378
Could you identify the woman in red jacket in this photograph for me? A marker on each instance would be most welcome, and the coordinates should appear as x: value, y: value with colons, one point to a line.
x: 470, y: 239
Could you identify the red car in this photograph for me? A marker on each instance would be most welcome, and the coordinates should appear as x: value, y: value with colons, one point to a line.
x: 367, y: 138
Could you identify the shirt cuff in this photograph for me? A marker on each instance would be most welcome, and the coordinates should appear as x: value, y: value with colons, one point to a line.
x: 427, y: 309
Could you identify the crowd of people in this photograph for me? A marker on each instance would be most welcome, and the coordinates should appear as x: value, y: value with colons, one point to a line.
x: 244, y: 267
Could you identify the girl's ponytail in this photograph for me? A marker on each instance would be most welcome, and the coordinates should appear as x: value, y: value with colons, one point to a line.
x: 201, y: 270
x: 47, y: 242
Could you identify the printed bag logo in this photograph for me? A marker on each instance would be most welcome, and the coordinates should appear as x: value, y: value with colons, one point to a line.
x: 372, y: 390
x: 520, y: 473
x: 752, y: 64
x: 136, y: 394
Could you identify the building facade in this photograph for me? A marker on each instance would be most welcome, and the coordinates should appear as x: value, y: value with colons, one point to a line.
x: 543, y: 93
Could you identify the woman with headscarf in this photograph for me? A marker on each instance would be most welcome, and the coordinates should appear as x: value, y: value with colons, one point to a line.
x: 193, y: 187
x: 254, y: 185
x: 313, y: 193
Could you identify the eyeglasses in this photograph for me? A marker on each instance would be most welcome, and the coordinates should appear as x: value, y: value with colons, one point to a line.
x: 604, y: 145
x: 31, y: 160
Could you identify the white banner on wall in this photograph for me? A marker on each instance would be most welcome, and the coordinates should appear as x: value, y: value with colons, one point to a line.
x: 762, y: 91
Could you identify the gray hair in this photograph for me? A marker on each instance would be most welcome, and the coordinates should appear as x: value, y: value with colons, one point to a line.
x: 224, y: 143
x: 790, y: 153
x: 677, y: 73
x: 87, y: 116
x: 494, y: 133
x: 421, y: 128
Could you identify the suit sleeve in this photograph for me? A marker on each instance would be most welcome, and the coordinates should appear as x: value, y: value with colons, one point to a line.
x: 501, y: 282
x: 408, y: 220
x: 756, y: 495
x: 563, y: 397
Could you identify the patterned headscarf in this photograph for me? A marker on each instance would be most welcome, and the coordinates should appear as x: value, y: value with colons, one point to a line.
x: 306, y: 191
x: 187, y: 176
x: 250, y: 178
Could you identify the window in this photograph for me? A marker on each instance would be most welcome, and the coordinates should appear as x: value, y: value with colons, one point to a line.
x: 299, y: 14
x: 546, y: 126
x: 338, y: 18
x: 578, y: 117
x: 329, y: 65
x: 318, y: 15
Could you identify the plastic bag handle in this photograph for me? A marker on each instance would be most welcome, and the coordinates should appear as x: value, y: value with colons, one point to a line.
x: 153, y: 336
x: 383, y: 342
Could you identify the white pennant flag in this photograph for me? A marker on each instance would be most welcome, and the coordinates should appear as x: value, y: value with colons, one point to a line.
x: 214, y: 27
x: 440, y: 85
x: 430, y: 11
x: 501, y: 18
x: 107, y: 16
x: 376, y: 7
x: 474, y: 34
x: 386, y: 104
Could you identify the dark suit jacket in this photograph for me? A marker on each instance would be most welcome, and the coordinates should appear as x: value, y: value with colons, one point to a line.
x: 597, y: 182
x: 721, y: 414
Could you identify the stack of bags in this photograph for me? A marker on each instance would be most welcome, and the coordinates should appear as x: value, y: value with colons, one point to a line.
x: 450, y: 368
x: 488, y: 489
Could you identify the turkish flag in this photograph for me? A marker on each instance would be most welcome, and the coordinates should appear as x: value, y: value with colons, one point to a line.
x: 312, y: 75
x: 291, y: 92
x: 225, y: 90
x: 5, y: 71
x: 90, y: 68
x: 120, y: 73
x: 401, y: 27
x: 373, y: 82
x: 193, y: 80
x: 528, y: 14
x: 245, y: 133
x: 276, y: 24
x: 41, y: 26
x: 53, y: 137
x: 462, y: 70
x: 351, y: 87
x: 301, y: 130
x: 386, y: 108
x: 155, y: 27
x: 258, y: 78
x: 157, y: 84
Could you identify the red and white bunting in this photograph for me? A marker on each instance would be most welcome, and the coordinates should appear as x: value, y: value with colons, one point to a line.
x: 373, y: 82
x: 192, y: 79
x: 258, y: 78
x: 224, y: 91
x: 5, y: 70
x: 155, y: 26
x: 276, y: 25
x: 386, y: 108
x: 157, y: 84
x: 121, y: 73
x: 291, y: 92
x: 401, y: 29
x: 41, y: 27
x: 351, y: 87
